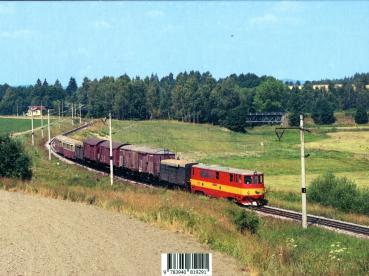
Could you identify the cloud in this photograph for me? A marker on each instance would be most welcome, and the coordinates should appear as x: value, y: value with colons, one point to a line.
x: 155, y: 14
x: 17, y: 34
x: 102, y: 24
x: 265, y: 19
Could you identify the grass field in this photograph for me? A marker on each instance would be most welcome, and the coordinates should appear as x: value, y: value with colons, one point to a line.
x: 258, y: 149
x: 279, y: 247
x: 11, y: 125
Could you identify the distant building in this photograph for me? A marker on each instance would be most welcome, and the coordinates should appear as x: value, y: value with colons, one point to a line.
x: 290, y: 87
x: 321, y: 86
x: 35, y: 109
x: 367, y: 86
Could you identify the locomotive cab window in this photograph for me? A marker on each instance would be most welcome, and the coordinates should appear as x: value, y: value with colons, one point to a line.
x: 261, y: 178
x: 231, y: 178
x: 256, y: 179
x: 217, y: 175
x: 248, y: 179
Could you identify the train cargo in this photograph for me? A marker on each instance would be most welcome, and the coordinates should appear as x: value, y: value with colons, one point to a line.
x: 143, y: 159
x: 91, y: 149
x: 104, y: 152
x: 177, y: 172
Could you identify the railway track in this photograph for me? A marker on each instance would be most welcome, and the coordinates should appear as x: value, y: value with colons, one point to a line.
x: 346, y: 227
x: 316, y: 220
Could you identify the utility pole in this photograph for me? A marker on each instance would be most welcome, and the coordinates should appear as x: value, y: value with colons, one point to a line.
x: 33, y: 134
x: 62, y: 104
x: 279, y: 131
x: 42, y: 122
x: 111, y: 151
x: 59, y: 113
x: 303, y: 177
x: 80, y: 114
x: 48, y: 130
x: 17, y: 109
x: 72, y: 116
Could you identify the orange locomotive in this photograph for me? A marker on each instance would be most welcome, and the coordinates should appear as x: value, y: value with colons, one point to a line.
x: 244, y: 186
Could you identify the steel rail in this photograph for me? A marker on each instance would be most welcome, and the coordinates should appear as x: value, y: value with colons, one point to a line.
x: 283, y: 213
x: 317, y: 220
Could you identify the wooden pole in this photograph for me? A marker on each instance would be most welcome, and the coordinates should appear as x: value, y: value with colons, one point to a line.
x: 80, y: 114
x: 33, y: 134
x: 72, y: 116
x: 42, y: 122
x: 303, y: 177
x: 111, y: 152
x: 48, y: 130
x: 59, y: 113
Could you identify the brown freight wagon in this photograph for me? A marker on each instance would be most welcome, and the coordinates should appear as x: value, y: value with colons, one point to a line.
x: 143, y: 159
x: 177, y: 172
x: 104, y: 152
x: 91, y: 148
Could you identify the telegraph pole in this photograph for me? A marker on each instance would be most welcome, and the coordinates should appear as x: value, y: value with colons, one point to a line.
x: 62, y: 104
x: 33, y: 134
x: 80, y: 114
x: 279, y: 131
x: 48, y: 130
x: 42, y: 122
x: 303, y: 177
x: 17, y: 109
x: 72, y: 116
x: 59, y: 113
x: 111, y: 151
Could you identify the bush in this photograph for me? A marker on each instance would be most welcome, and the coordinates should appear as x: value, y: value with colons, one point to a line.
x: 244, y: 220
x: 361, y: 116
x: 323, y: 112
x: 294, y: 119
x: 339, y: 192
x: 14, y: 162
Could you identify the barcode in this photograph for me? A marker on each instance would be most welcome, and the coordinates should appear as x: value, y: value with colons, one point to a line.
x: 186, y: 263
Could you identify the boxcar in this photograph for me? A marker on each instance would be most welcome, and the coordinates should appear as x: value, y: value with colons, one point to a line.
x: 91, y: 149
x: 68, y: 147
x: 244, y: 186
x: 143, y: 159
x: 104, y: 152
x: 176, y: 172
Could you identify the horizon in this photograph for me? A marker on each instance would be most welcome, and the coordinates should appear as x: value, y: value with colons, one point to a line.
x: 287, y: 40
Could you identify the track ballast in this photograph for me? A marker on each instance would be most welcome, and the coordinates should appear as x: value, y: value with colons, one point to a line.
x: 347, y: 227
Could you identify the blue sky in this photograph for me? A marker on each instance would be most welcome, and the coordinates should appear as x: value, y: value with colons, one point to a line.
x: 296, y: 40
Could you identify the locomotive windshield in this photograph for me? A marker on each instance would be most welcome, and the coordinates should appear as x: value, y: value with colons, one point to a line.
x: 254, y: 179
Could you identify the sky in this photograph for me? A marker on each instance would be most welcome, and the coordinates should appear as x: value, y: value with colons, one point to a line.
x: 288, y: 40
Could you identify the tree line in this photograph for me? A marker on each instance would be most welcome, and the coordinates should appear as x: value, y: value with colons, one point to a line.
x: 191, y: 97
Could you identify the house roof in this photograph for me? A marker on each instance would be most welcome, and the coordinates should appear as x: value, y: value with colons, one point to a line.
x: 37, y: 107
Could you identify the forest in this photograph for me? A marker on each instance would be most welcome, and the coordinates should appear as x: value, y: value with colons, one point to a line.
x: 191, y: 96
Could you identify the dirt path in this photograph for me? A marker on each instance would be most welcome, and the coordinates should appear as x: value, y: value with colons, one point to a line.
x: 40, y: 236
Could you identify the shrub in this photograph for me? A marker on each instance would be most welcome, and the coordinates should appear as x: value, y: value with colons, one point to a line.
x: 339, y: 192
x: 294, y: 119
x: 14, y: 162
x: 323, y: 112
x: 244, y: 220
x: 361, y: 116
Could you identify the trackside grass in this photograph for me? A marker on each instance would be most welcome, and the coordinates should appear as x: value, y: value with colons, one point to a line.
x: 278, y: 247
x: 258, y: 149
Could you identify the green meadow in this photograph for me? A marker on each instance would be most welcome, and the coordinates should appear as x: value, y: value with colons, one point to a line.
x: 12, y: 125
x: 258, y: 149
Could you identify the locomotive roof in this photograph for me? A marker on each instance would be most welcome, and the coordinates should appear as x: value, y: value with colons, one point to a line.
x: 116, y: 145
x: 225, y: 169
x: 146, y: 149
x: 93, y: 141
x: 68, y: 140
x: 177, y: 163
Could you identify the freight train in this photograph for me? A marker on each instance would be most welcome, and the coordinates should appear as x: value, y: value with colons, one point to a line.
x: 160, y: 166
